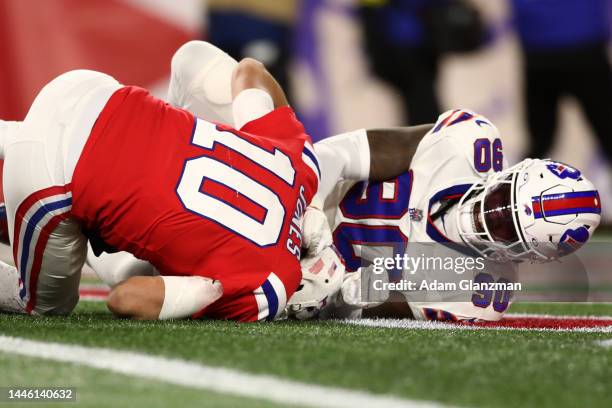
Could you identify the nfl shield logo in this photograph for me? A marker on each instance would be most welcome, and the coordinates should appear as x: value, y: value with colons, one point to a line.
x: 415, y: 214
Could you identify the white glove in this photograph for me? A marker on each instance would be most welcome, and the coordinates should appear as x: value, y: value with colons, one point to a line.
x: 358, y: 289
x: 322, y: 276
x: 316, y: 234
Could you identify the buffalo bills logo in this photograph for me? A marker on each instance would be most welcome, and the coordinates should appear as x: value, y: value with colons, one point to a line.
x: 563, y: 171
x: 572, y: 239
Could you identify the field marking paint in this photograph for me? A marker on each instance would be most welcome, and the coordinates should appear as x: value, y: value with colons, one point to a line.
x: 431, y: 325
x: 605, y: 343
x: 190, y: 374
x: 94, y: 292
x: 553, y: 316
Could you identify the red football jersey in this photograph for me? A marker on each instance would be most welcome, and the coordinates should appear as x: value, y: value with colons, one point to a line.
x: 198, y: 198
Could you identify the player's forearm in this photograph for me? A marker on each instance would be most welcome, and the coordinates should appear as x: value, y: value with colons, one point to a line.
x: 163, y: 297
x: 139, y: 297
x: 250, y: 74
x: 374, y: 154
x: 392, y: 149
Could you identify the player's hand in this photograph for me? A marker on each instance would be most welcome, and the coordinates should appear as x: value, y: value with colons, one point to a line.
x: 316, y: 233
x: 322, y: 276
x: 358, y: 289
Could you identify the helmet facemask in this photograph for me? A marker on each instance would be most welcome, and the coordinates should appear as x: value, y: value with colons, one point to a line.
x: 487, y: 218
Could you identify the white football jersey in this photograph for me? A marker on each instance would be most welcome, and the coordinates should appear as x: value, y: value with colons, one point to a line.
x: 461, y: 148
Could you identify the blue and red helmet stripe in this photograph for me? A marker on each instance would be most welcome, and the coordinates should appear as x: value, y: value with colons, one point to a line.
x: 575, y: 202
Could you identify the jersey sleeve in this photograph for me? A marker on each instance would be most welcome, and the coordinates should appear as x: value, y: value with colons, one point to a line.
x: 343, y: 157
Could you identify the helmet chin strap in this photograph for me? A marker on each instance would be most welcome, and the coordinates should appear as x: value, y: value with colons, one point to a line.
x: 448, y: 218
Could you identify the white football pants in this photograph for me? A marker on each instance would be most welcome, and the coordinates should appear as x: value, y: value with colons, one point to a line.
x: 49, y: 248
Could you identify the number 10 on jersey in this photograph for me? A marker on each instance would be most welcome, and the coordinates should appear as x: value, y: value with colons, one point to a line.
x: 262, y: 231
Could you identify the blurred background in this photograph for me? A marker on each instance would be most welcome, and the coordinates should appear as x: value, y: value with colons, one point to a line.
x: 539, y: 69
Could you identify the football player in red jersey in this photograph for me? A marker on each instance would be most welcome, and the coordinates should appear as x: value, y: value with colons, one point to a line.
x: 201, y: 83
x: 216, y: 210
x: 100, y: 158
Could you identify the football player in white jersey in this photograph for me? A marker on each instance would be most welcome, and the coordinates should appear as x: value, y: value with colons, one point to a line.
x: 457, y: 191
x: 382, y: 219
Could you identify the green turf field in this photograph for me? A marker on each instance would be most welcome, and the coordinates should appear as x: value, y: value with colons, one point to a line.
x: 481, y: 368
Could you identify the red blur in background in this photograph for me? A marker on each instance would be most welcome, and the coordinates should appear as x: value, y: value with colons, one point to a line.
x: 41, y: 39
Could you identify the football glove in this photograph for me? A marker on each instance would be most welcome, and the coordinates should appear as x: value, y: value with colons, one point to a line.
x: 316, y: 234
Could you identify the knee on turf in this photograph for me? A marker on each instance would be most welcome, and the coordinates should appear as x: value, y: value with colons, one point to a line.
x: 65, y: 308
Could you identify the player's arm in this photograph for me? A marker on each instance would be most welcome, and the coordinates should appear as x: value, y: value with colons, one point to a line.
x: 207, y: 81
x: 392, y: 149
x: 255, y: 92
x: 251, y: 74
x: 163, y: 297
x: 373, y: 154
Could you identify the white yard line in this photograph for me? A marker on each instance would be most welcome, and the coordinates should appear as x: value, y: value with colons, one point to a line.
x: 426, y: 325
x: 605, y: 343
x: 95, y: 298
x: 190, y: 374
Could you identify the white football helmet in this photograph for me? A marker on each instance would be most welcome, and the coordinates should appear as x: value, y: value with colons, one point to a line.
x: 538, y: 210
x: 322, y: 276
